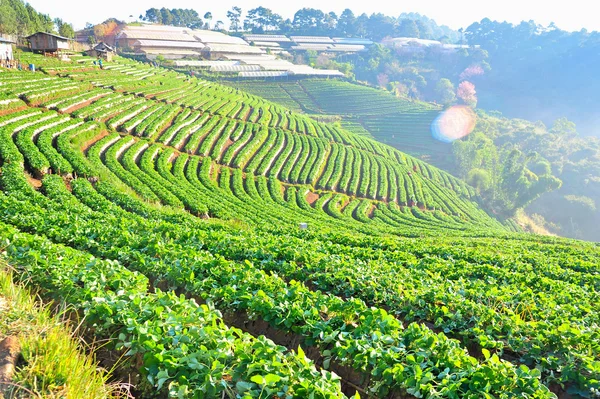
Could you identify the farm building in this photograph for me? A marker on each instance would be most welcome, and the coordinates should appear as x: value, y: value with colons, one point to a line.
x: 278, y: 44
x: 215, y: 51
x: 103, y: 51
x: 6, y: 50
x: 328, y: 45
x: 170, y: 50
x: 415, y: 45
x: 48, y: 42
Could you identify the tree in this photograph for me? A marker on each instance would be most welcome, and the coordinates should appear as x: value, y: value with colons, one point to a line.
x: 346, y: 24
x: 176, y: 17
x: 167, y: 16
x: 444, y: 90
x: 153, y: 15
x: 208, y: 17
x: 564, y: 127
x: 234, y: 15
x: 330, y: 23
x: 379, y: 26
x: 471, y: 71
x: 64, y: 29
x: 361, y: 25
x: 91, y: 40
x: 107, y: 28
x: 382, y: 80
x: 467, y: 94
x: 408, y: 28
x: 309, y: 21
x: 480, y: 179
x: 8, y: 18
x: 262, y: 19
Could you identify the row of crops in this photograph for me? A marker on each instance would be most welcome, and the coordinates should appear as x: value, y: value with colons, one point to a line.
x: 366, y: 111
x: 385, y: 299
x: 290, y: 155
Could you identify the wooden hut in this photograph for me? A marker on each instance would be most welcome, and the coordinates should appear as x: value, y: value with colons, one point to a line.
x: 48, y: 43
x: 6, y: 50
x: 103, y: 51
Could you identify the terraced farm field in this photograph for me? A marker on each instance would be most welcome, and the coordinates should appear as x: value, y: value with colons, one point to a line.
x: 165, y: 209
x: 400, y: 123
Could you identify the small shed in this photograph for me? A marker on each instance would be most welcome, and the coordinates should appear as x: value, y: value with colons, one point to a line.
x: 6, y: 50
x: 48, y: 42
x: 103, y: 51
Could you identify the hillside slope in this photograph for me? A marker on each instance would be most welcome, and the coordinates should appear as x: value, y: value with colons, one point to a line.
x: 403, y: 124
x: 142, y: 182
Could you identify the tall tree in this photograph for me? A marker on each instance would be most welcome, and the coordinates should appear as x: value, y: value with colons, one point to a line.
x: 346, y: 25
x: 262, y: 19
x: 309, y: 21
x: 379, y: 26
x: 408, y: 28
x: 444, y: 90
x: 208, y: 17
x: 153, y: 15
x: 167, y: 16
x: 234, y: 15
x: 466, y: 93
x: 64, y: 29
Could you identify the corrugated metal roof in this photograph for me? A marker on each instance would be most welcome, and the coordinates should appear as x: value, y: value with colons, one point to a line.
x: 49, y: 34
x: 103, y: 46
x: 168, y: 44
x: 3, y: 40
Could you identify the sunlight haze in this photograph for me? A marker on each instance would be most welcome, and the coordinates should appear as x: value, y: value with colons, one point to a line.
x: 570, y: 16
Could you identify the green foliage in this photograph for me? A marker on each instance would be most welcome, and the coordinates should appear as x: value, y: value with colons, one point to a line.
x: 480, y: 179
x: 209, y: 208
x: 64, y: 29
x: 176, y: 17
x: 18, y: 17
x: 445, y: 91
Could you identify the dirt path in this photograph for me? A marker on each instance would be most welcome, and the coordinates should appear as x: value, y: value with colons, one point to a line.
x: 311, y: 197
x: 86, y: 146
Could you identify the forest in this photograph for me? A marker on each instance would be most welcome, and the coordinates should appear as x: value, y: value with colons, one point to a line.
x: 20, y: 18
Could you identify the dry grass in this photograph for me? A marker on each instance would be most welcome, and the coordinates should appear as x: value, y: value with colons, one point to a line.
x: 530, y: 225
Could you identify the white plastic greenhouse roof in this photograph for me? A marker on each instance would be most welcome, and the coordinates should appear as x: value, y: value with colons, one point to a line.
x: 201, y: 64
x: 263, y: 74
x: 168, y: 44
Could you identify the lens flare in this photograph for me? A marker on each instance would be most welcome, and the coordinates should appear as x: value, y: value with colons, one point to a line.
x: 454, y: 123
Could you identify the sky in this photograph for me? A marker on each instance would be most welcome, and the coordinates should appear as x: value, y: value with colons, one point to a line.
x: 570, y: 15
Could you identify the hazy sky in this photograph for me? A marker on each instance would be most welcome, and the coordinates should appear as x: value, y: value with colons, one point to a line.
x: 568, y: 15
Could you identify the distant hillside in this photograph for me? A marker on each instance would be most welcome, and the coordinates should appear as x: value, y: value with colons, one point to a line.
x: 556, y: 152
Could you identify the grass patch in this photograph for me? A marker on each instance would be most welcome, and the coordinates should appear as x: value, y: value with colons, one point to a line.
x: 53, y: 364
